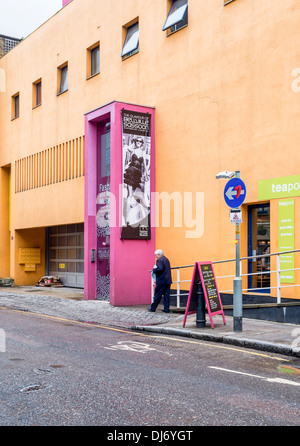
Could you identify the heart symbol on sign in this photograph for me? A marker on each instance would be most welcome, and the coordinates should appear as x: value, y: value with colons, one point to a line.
x: 238, y: 190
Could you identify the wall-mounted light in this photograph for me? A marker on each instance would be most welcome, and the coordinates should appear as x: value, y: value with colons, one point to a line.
x: 225, y: 175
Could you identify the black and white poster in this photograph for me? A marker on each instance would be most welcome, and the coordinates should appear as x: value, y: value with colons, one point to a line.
x: 136, y: 146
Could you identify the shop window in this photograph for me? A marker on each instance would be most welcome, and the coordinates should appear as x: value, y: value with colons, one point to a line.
x: 93, y: 60
x: 177, y: 17
x: 62, y: 83
x: 15, y: 106
x: 131, y: 43
x: 37, y: 93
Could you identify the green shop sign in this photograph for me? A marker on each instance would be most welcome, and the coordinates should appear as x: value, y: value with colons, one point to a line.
x: 286, y: 239
x: 283, y: 187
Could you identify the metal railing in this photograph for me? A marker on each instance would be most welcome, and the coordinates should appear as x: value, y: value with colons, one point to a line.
x: 278, y: 272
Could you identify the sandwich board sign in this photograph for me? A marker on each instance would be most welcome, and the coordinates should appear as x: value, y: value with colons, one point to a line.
x: 204, y: 272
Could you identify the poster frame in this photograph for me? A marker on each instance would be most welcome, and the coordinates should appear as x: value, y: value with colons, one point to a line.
x: 139, y: 128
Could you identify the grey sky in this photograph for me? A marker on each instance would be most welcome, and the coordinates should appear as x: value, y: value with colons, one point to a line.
x: 18, y: 18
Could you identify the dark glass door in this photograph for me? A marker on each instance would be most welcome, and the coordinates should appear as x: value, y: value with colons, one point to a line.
x: 103, y: 212
x: 258, y: 244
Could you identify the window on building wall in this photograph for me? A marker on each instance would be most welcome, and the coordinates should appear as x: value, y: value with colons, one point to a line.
x: 37, y: 93
x: 177, y: 17
x: 93, y: 60
x: 131, y: 43
x: 62, y: 78
x: 15, y: 106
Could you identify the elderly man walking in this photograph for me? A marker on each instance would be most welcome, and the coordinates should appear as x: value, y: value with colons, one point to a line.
x: 162, y: 270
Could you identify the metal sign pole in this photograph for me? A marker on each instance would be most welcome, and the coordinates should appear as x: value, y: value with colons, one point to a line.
x: 234, y: 196
x: 237, y: 282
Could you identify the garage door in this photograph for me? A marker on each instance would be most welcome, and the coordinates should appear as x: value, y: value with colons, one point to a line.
x: 66, y: 254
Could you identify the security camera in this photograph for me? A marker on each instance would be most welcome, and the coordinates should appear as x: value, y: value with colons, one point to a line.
x: 225, y: 175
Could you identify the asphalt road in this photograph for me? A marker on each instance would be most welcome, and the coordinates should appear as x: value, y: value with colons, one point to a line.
x: 60, y: 373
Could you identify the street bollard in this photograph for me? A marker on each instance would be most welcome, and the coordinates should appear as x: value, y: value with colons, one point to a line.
x: 200, y: 319
x: 237, y: 304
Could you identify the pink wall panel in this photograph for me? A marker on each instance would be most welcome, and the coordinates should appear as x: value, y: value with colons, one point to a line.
x: 130, y: 260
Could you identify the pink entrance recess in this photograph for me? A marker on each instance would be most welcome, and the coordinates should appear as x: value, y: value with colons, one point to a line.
x: 64, y: 2
x: 130, y: 260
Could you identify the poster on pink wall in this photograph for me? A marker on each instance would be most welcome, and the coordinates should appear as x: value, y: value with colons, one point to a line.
x: 136, y: 147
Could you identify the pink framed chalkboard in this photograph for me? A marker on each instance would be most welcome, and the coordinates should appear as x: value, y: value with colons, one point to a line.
x: 204, y: 272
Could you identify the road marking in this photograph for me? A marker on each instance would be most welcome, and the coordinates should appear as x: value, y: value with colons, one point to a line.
x: 272, y: 380
x: 120, y: 330
x: 133, y: 346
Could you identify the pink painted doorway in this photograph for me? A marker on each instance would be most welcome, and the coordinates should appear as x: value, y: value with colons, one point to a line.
x: 118, y: 253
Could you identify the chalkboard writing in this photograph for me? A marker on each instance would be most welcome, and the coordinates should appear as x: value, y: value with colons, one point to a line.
x: 210, y: 287
x: 204, y: 272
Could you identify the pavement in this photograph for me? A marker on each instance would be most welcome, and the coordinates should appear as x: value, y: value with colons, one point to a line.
x: 68, y: 303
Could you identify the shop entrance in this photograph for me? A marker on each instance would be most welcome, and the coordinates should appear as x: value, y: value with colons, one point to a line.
x: 103, y: 211
x: 258, y: 244
x: 106, y: 253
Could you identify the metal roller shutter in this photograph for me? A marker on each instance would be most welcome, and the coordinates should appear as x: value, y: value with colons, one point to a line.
x: 66, y: 254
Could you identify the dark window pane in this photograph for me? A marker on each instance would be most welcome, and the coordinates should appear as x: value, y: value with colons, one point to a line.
x: 64, y: 79
x: 38, y: 93
x: 95, y: 61
x: 17, y: 106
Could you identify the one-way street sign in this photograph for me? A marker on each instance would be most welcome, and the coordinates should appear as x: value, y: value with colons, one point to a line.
x: 235, y: 193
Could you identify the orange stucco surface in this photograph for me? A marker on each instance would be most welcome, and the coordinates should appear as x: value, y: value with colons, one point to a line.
x: 223, y: 98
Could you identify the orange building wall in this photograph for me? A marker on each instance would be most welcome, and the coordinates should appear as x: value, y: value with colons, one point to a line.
x: 221, y: 88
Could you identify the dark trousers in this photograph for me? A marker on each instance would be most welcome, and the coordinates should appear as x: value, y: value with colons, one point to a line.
x: 160, y: 291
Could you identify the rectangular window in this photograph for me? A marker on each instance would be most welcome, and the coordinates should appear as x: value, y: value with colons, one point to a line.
x: 177, y: 17
x: 15, y: 106
x: 131, y: 44
x: 93, y: 60
x: 37, y: 93
x: 62, y: 78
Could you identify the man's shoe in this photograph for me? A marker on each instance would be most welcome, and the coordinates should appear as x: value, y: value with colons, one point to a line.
x: 165, y: 311
x: 151, y: 311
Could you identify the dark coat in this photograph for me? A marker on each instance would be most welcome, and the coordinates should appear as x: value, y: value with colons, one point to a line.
x: 163, y: 271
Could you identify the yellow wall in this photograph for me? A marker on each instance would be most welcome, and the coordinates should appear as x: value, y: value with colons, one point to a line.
x: 221, y: 88
x: 5, y: 222
x: 29, y: 238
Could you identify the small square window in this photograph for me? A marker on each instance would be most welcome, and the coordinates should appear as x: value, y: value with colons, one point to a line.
x: 37, y: 93
x: 15, y: 106
x: 62, y: 78
x: 177, y: 17
x: 131, y: 44
x: 93, y: 60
